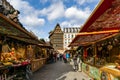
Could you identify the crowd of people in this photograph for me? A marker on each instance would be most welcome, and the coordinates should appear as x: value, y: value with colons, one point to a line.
x: 66, y: 58
x: 53, y: 57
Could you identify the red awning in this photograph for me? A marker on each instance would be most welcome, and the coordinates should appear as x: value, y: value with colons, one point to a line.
x: 104, y: 17
x: 91, y: 37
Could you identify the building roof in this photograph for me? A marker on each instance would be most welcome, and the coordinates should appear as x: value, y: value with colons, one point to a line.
x: 52, y: 32
x: 71, y: 29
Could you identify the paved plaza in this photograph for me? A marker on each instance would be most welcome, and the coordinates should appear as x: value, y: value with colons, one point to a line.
x: 59, y: 71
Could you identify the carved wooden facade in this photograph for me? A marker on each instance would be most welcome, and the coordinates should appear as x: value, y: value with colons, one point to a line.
x: 56, y: 38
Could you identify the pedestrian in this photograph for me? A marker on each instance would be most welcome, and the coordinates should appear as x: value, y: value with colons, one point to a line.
x: 79, y: 63
x: 61, y: 57
x: 58, y: 57
x: 51, y: 58
x: 55, y: 57
x: 67, y: 56
x: 64, y: 58
x: 75, y: 60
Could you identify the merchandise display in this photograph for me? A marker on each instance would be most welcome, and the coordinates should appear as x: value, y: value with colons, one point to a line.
x: 16, y: 56
x: 13, y: 64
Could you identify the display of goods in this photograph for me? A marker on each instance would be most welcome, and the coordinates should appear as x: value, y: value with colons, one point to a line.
x: 7, y: 63
x: 24, y: 63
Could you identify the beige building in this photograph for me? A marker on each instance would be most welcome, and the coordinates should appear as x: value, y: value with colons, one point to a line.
x: 56, y: 38
x: 69, y: 35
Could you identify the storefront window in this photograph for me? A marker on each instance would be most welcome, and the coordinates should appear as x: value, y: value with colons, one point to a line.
x: 107, y: 51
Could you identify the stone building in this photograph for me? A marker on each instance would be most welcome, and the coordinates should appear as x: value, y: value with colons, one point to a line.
x: 56, y: 38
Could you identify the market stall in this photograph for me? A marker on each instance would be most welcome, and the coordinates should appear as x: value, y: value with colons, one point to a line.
x: 102, y: 48
x: 13, y: 58
x: 20, y: 50
x: 37, y: 59
x: 41, y: 56
x: 34, y: 53
x: 100, y: 39
x: 14, y: 41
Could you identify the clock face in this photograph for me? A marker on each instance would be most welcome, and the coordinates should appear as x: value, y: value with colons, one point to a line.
x: 104, y: 76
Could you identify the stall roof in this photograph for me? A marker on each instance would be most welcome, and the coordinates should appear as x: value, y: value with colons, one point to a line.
x: 26, y: 40
x: 11, y: 29
x: 86, y: 38
x: 105, y: 17
x: 8, y: 27
x: 46, y: 45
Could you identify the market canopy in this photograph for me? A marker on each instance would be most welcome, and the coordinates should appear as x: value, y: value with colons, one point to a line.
x: 13, y: 30
x: 105, y: 18
x: 92, y: 37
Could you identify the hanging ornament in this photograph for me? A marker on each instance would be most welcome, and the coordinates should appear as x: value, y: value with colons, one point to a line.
x: 109, y: 47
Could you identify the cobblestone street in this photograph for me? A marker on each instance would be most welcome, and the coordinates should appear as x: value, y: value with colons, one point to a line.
x: 59, y: 71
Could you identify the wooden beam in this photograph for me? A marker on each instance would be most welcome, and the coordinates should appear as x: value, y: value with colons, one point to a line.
x: 97, y: 32
x: 107, y: 37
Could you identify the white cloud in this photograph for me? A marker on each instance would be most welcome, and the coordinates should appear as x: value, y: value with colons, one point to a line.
x: 81, y: 2
x: 38, y: 32
x: 32, y: 21
x: 71, y: 23
x: 26, y: 16
x: 55, y: 11
x: 75, y: 17
x: 75, y: 13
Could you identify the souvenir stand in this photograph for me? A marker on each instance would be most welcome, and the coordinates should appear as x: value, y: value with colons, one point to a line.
x: 100, y: 39
x: 14, y: 39
x: 34, y: 54
x: 12, y: 50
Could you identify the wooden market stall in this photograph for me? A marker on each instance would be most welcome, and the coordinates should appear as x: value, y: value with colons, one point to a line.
x: 42, y: 54
x: 100, y: 39
x: 17, y: 45
x: 12, y: 50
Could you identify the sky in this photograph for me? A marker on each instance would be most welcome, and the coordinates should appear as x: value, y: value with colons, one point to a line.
x: 41, y: 16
